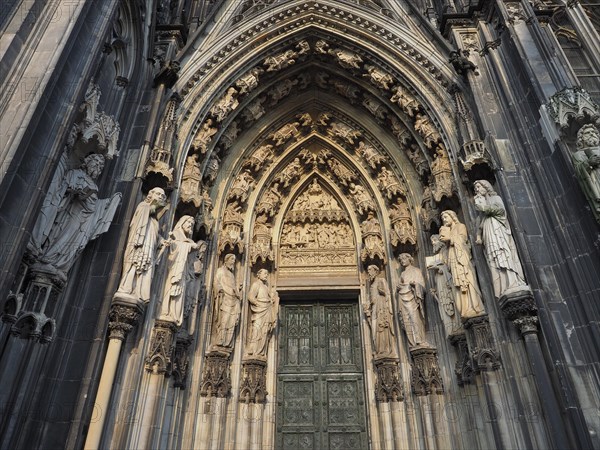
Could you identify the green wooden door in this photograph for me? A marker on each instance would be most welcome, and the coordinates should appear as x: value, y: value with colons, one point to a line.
x: 320, y: 390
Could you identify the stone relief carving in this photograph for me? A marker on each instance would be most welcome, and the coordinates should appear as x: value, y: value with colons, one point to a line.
x: 281, y: 90
x: 143, y: 241
x: 411, y: 300
x: 362, y: 200
x: 241, y: 186
x: 180, y: 271
x: 230, y: 135
x: 443, y: 182
x: 375, y: 107
x: 254, y: 110
x: 389, y: 184
x: 380, y: 315
x: 280, y: 61
x: 373, y: 246
x: 496, y: 236
x: 370, y: 154
x: 212, y: 168
x: 71, y: 216
x: 264, y: 306
x: 261, y: 241
x: 427, y: 130
x: 290, y: 173
x: 249, y: 81
x: 403, y: 136
x: 226, y: 306
x: 467, y: 296
x: 231, y: 234
x: 204, y: 136
x: 225, y: 105
x: 269, y: 203
x: 419, y: 162
x: 343, y: 132
x: 348, y: 90
x: 346, y: 58
x: 341, y: 172
x: 403, y: 231
x: 443, y: 292
x: 286, y: 132
x: 378, y: 77
x: 586, y: 161
x: 191, y: 181
x: 321, y: 47
x: 407, y: 103
x: 261, y: 156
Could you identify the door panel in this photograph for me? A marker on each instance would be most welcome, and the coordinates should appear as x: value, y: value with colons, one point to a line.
x: 320, y: 390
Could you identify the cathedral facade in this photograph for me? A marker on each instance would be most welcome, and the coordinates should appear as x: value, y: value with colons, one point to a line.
x: 282, y: 224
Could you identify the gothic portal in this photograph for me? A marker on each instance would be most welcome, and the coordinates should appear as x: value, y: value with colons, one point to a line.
x: 300, y: 225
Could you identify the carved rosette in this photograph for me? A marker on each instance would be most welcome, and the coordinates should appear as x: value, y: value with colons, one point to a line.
x: 122, y: 319
x: 484, y: 355
x: 216, y: 379
x: 426, y: 376
x: 159, y: 356
x: 463, y: 368
x: 254, y: 381
x: 388, y: 387
x: 521, y: 310
x: 181, y: 360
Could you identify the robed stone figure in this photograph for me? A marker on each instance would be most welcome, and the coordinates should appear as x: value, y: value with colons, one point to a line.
x: 411, y: 296
x: 379, y: 313
x: 72, y: 215
x: 180, y: 271
x: 227, y: 305
x: 264, y: 303
x: 142, y: 243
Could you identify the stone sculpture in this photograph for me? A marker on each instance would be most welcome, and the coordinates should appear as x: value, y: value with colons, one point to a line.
x: 380, y: 315
x: 411, y: 296
x: 204, y: 136
x: 264, y: 304
x: 180, y: 271
x: 142, y: 242
x: 241, y: 186
x: 225, y: 105
x: 467, y: 295
x: 361, y: 198
x: 227, y: 305
x: 72, y: 215
x: 586, y: 161
x: 496, y: 236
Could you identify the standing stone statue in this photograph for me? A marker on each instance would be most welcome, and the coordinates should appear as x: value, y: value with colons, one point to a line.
x: 586, y: 161
x: 72, y: 215
x: 495, y: 234
x: 380, y: 315
x: 454, y: 234
x: 227, y: 305
x: 142, y: 242
x: 264, y: 303
x: 180, y: 270
x: 443, y: 292
x: 411, y: 293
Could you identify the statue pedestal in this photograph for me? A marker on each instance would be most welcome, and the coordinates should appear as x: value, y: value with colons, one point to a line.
x: 426, y: 377
x: 463, y: 368
x: 216, y: 379
x: 254, y: 380
x: 484, y: 355
x: 388, y: 387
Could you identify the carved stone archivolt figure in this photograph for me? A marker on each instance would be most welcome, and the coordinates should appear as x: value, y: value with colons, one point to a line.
x: 586, y: 161
x: 403, y: 231
x: 264, y: 304
x: 372, y: 238
x: 361, y: 198
x: 346, y: 59
x: 411, y: 300
x: 241, y: 186
x: 443, y: 292
x: 468, y: 297
x: 204, y: 136
x: 72, y: 216
x: 289, y: 173
x: 380, y: 315
x: 496, y: 236
x: 227, y: 305
x: 142, y: 242
x: 225, y: 105
x: 180, y: 271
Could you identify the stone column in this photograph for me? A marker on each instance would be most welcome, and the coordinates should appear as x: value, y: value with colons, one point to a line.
x: 521, y: 310
x: 123, y: 316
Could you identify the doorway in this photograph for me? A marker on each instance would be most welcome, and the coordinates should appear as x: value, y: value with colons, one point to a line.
x: 320, y: 385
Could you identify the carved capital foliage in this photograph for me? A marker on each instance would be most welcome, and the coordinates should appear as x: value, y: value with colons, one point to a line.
x: 571, y: 108
x: 160, y: 352
x: 216, y: 379
x: 521, y: 310
x: 122, y: 319
x: 388, y: 387
x: 463, y: 368
x: 426, y: 377
x: 484, y: 355
x: 254, y: 382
